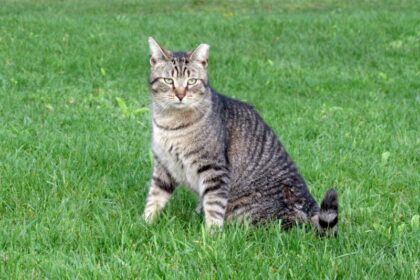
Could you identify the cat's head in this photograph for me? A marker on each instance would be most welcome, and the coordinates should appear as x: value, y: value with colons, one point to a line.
x: 178, y: 79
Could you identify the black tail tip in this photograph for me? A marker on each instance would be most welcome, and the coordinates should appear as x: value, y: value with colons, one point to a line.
x: 327, y: 218
x: 330, y: 201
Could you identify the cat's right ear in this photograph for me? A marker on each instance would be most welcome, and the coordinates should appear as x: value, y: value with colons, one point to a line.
x: 157, y: 53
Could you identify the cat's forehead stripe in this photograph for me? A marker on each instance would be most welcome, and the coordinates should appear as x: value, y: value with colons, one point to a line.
x: 180, y: 62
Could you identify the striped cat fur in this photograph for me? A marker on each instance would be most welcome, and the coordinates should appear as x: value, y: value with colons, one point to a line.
x: 223, y: 151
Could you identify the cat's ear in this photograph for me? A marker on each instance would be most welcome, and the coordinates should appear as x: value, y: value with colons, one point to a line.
x: 157, y: 53
x: 201, y: 54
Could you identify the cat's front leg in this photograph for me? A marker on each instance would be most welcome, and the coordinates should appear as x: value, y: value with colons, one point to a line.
x: 161, y: 188
x: 214, y: 193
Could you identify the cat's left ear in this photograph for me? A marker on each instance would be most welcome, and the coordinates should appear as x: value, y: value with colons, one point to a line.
x: 201, y: 54
x: 157, y: 53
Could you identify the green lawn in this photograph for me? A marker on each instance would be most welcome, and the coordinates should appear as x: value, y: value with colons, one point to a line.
x: 339, y: 82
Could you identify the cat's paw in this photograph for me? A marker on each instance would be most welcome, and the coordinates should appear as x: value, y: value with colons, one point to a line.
x: 148, y: 217
x: 199, y: 209
x: 214, y: 225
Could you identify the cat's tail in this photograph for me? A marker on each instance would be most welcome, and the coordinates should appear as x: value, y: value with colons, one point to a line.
x: 326, y: 220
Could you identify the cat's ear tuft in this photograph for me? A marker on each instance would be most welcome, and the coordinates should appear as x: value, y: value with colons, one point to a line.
x: 157, y: 53
x: 201, y: 54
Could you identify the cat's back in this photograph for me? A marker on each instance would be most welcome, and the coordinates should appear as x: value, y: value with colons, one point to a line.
x: 256, y: 154
x: 253, y: 146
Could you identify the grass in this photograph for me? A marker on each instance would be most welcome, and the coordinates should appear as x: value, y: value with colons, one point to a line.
x: 337, y: 80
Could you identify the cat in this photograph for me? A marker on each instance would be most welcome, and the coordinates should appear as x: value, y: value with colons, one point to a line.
x: 223, y: 151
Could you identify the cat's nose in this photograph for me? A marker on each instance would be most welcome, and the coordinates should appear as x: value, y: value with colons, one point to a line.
x: 180, y: 96
x: 180, y: 93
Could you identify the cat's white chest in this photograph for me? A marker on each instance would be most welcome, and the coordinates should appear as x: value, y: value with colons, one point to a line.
x: 168, y: 152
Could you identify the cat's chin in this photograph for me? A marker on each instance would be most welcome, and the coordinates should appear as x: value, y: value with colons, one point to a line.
x: 180, y: 105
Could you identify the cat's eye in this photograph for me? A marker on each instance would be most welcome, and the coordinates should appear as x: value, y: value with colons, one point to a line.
x: 192, y: 81
x: 168, y: 81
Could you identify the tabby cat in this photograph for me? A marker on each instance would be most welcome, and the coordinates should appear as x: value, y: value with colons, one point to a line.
x: 222, y: 150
